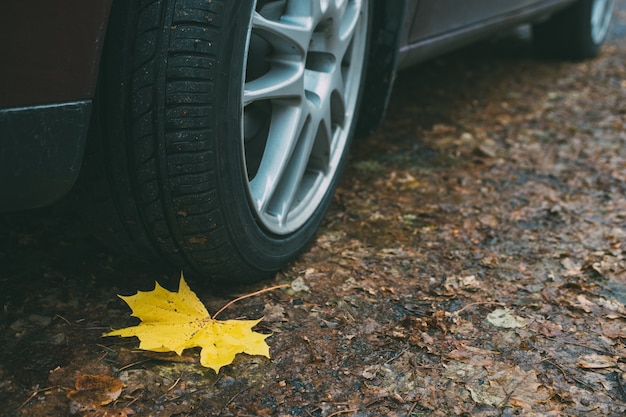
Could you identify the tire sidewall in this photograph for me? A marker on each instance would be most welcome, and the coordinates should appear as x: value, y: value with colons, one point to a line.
x: 568, y: 33
x: 257, y: 246
x: 587, y: 43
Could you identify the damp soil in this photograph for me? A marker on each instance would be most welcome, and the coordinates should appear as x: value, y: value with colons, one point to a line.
x: 473, y: 263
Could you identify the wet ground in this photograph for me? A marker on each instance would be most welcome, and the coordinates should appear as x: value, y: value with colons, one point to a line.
x: 474, y: 263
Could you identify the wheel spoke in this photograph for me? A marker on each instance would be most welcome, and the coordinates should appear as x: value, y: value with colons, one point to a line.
x: 600, y: 18
x: 286, y: 128
x: 326, y: 92
x: 290, y: 182
x: 302, y: 81
x: 351, y: 15
x: 345, y: 16
x: 285, y: 79
x: 287, y: 37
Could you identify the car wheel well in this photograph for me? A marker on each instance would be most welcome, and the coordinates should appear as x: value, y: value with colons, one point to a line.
x: 386, y: 34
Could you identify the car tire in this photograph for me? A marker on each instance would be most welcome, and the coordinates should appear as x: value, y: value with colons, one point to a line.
x: 576, y: 32
x: 221, y: 129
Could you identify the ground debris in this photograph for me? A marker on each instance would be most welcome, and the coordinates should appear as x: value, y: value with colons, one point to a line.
x: 473, y: 263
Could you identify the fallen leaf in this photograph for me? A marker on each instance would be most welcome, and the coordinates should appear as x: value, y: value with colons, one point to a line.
x: 614, y: 329
x: 118, y: 412
x: 572, y: 269
x: 274, y: 313
x: 298, y: 285
x: 549, y: 328
x: 585, y: 304
x: 468, y: 283
x: 175, y: 321
x: 498, y: 384
x: 595, y: 361
x: 488, y: 220
x: 503, y: 317
x: 93, y: 391
x: 465, y: 352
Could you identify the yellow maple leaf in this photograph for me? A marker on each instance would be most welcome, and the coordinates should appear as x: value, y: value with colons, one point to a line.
x: 175, y: 321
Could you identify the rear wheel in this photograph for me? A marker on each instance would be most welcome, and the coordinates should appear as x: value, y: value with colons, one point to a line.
x: 222, y: 129
x: 576, y: 32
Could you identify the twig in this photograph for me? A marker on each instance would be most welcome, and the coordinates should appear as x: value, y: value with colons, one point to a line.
x: 395, y: 357
x: 510, y: 394
x: 130, y: 365
x: 248, y: 296
x: 599, y: 350
x: 231, y: 399
x: 62, y: 318
x: 175, y: 382
x: 456, y: 313
x: 102, y: 357
x: 314, y: 410
x: 106, y: 348
x: 134, y: 400
x: 557, y: 367
x: 336, y: 413
x: 34, y: 394
x: 569, y: 377
x: 374, y: 401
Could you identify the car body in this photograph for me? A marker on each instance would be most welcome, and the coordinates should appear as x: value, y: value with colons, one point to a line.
x: 63, y: 62
x: 50, y: 54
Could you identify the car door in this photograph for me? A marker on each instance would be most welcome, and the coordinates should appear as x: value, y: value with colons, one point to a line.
x: 438, y: 17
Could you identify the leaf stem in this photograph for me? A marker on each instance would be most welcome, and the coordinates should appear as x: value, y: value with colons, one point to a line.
x: 248, y: 296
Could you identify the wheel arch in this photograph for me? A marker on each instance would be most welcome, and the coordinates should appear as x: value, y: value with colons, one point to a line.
x: 388, y: 21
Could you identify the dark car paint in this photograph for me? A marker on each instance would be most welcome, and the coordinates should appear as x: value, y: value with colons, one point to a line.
x: 457, y: 25
x: 50, y: 56
x: 41, y: 151
x: 434, y: 17
x: 51, y: 50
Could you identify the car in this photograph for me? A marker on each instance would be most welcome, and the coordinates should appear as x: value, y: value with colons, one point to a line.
x: 211, y: 134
